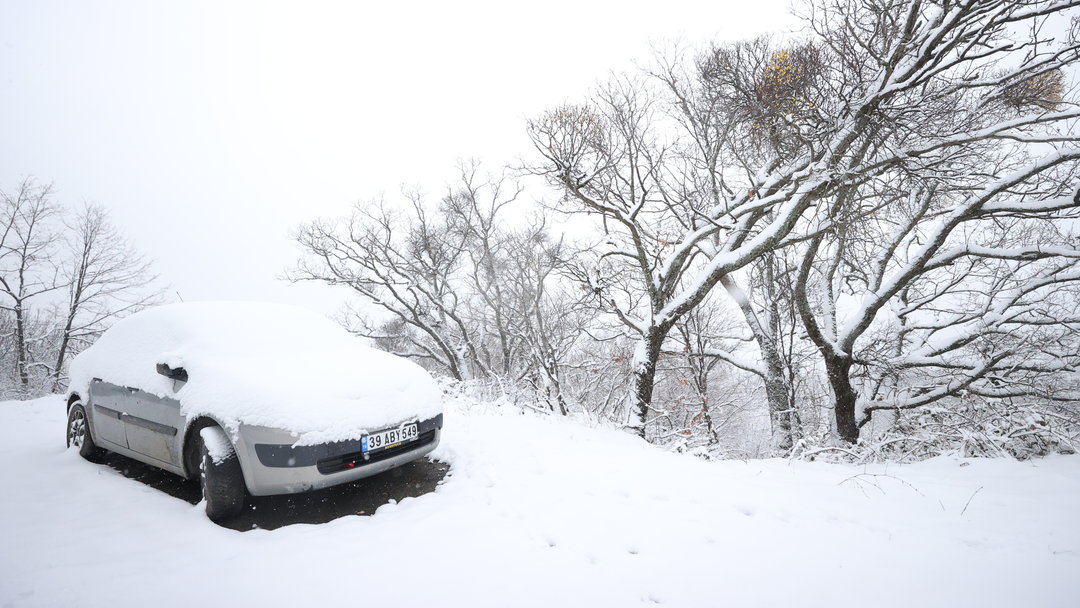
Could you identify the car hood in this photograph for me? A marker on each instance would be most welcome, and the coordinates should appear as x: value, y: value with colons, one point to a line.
x: 323, y: 396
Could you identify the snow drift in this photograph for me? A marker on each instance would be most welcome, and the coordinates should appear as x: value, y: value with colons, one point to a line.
x: 539, y: 512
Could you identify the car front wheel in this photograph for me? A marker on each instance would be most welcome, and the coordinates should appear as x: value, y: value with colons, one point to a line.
x: 78, y: 433
x: 221, y: 476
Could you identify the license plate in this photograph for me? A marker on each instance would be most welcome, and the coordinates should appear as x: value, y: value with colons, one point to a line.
x: 389, y: 438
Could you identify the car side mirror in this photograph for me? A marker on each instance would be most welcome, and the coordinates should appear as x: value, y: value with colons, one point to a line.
x: 172, y: 373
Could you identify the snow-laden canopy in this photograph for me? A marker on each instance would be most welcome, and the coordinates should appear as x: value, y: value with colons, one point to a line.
x: 261, y: 364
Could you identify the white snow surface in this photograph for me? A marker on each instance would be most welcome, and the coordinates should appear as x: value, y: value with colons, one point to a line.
x: 540, y: 511
x: 262, y: 364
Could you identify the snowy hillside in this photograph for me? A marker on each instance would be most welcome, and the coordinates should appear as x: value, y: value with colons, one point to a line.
x: 538, y: 511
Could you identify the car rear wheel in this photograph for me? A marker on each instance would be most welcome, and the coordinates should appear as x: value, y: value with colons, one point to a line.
x: 222, y: 479
x: 78, y: 433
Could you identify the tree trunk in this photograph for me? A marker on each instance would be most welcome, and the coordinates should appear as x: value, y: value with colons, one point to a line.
x: 91, y: 229
x: 710, y: 424
x: 780, y: 406
x: 701, y: 382
x: 766, y: 333
x: 20, y: 348
x: 61, y: 355
x: 646, y: 355
x: 555, y: 388
x: 844, y: 396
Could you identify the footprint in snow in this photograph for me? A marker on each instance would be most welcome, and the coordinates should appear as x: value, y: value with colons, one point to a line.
x: 745, y: 510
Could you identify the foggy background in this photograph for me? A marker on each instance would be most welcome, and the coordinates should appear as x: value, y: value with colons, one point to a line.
x: 210, y: 129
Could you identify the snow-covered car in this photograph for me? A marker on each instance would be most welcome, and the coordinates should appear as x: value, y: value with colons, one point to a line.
x: 257, y: 398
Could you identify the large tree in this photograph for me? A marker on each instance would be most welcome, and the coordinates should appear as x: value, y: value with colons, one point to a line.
x: 105, y: 278
x: 979, y: 138
x: 700, y: 172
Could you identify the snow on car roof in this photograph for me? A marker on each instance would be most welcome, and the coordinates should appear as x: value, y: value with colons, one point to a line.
x: 261, y: 364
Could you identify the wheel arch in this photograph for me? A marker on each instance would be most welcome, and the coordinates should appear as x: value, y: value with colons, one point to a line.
x: 73, y: 398
x: 189, y: 459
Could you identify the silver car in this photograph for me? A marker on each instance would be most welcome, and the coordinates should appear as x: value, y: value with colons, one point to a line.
x: 137, y: 392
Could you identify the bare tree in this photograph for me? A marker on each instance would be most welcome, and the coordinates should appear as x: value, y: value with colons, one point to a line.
x: 47, y: 254
x: 403, y: 266
x: 664, y: 235
x: 1000, y: 323
x: 463, y: 290
x: 106, y: 278
x: 28, y: 266
x: 474, y: 212
x: 768, y: 308
x: 700, y: 334
x: 770, y: 143
x: 545, y: 316
x: 961, y: 124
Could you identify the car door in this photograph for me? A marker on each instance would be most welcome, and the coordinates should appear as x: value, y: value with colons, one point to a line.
x: 108, y: 402
x: 152, y: 425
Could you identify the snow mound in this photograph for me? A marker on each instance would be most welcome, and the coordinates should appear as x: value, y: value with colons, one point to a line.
x: 538, y: 511
x: 217, y: 444
x: 261, y: 364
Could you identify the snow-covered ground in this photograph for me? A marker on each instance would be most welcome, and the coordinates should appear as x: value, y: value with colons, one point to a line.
x: 545, y: 512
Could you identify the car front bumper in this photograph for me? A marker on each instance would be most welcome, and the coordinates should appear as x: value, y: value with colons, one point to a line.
x: 272, y: 465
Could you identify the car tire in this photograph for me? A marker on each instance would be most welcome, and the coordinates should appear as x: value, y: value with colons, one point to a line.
x: 78, y: 434
x: 222, y: 480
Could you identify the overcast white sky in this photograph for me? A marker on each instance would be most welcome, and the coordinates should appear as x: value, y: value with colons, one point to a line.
x: 210, y: 129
